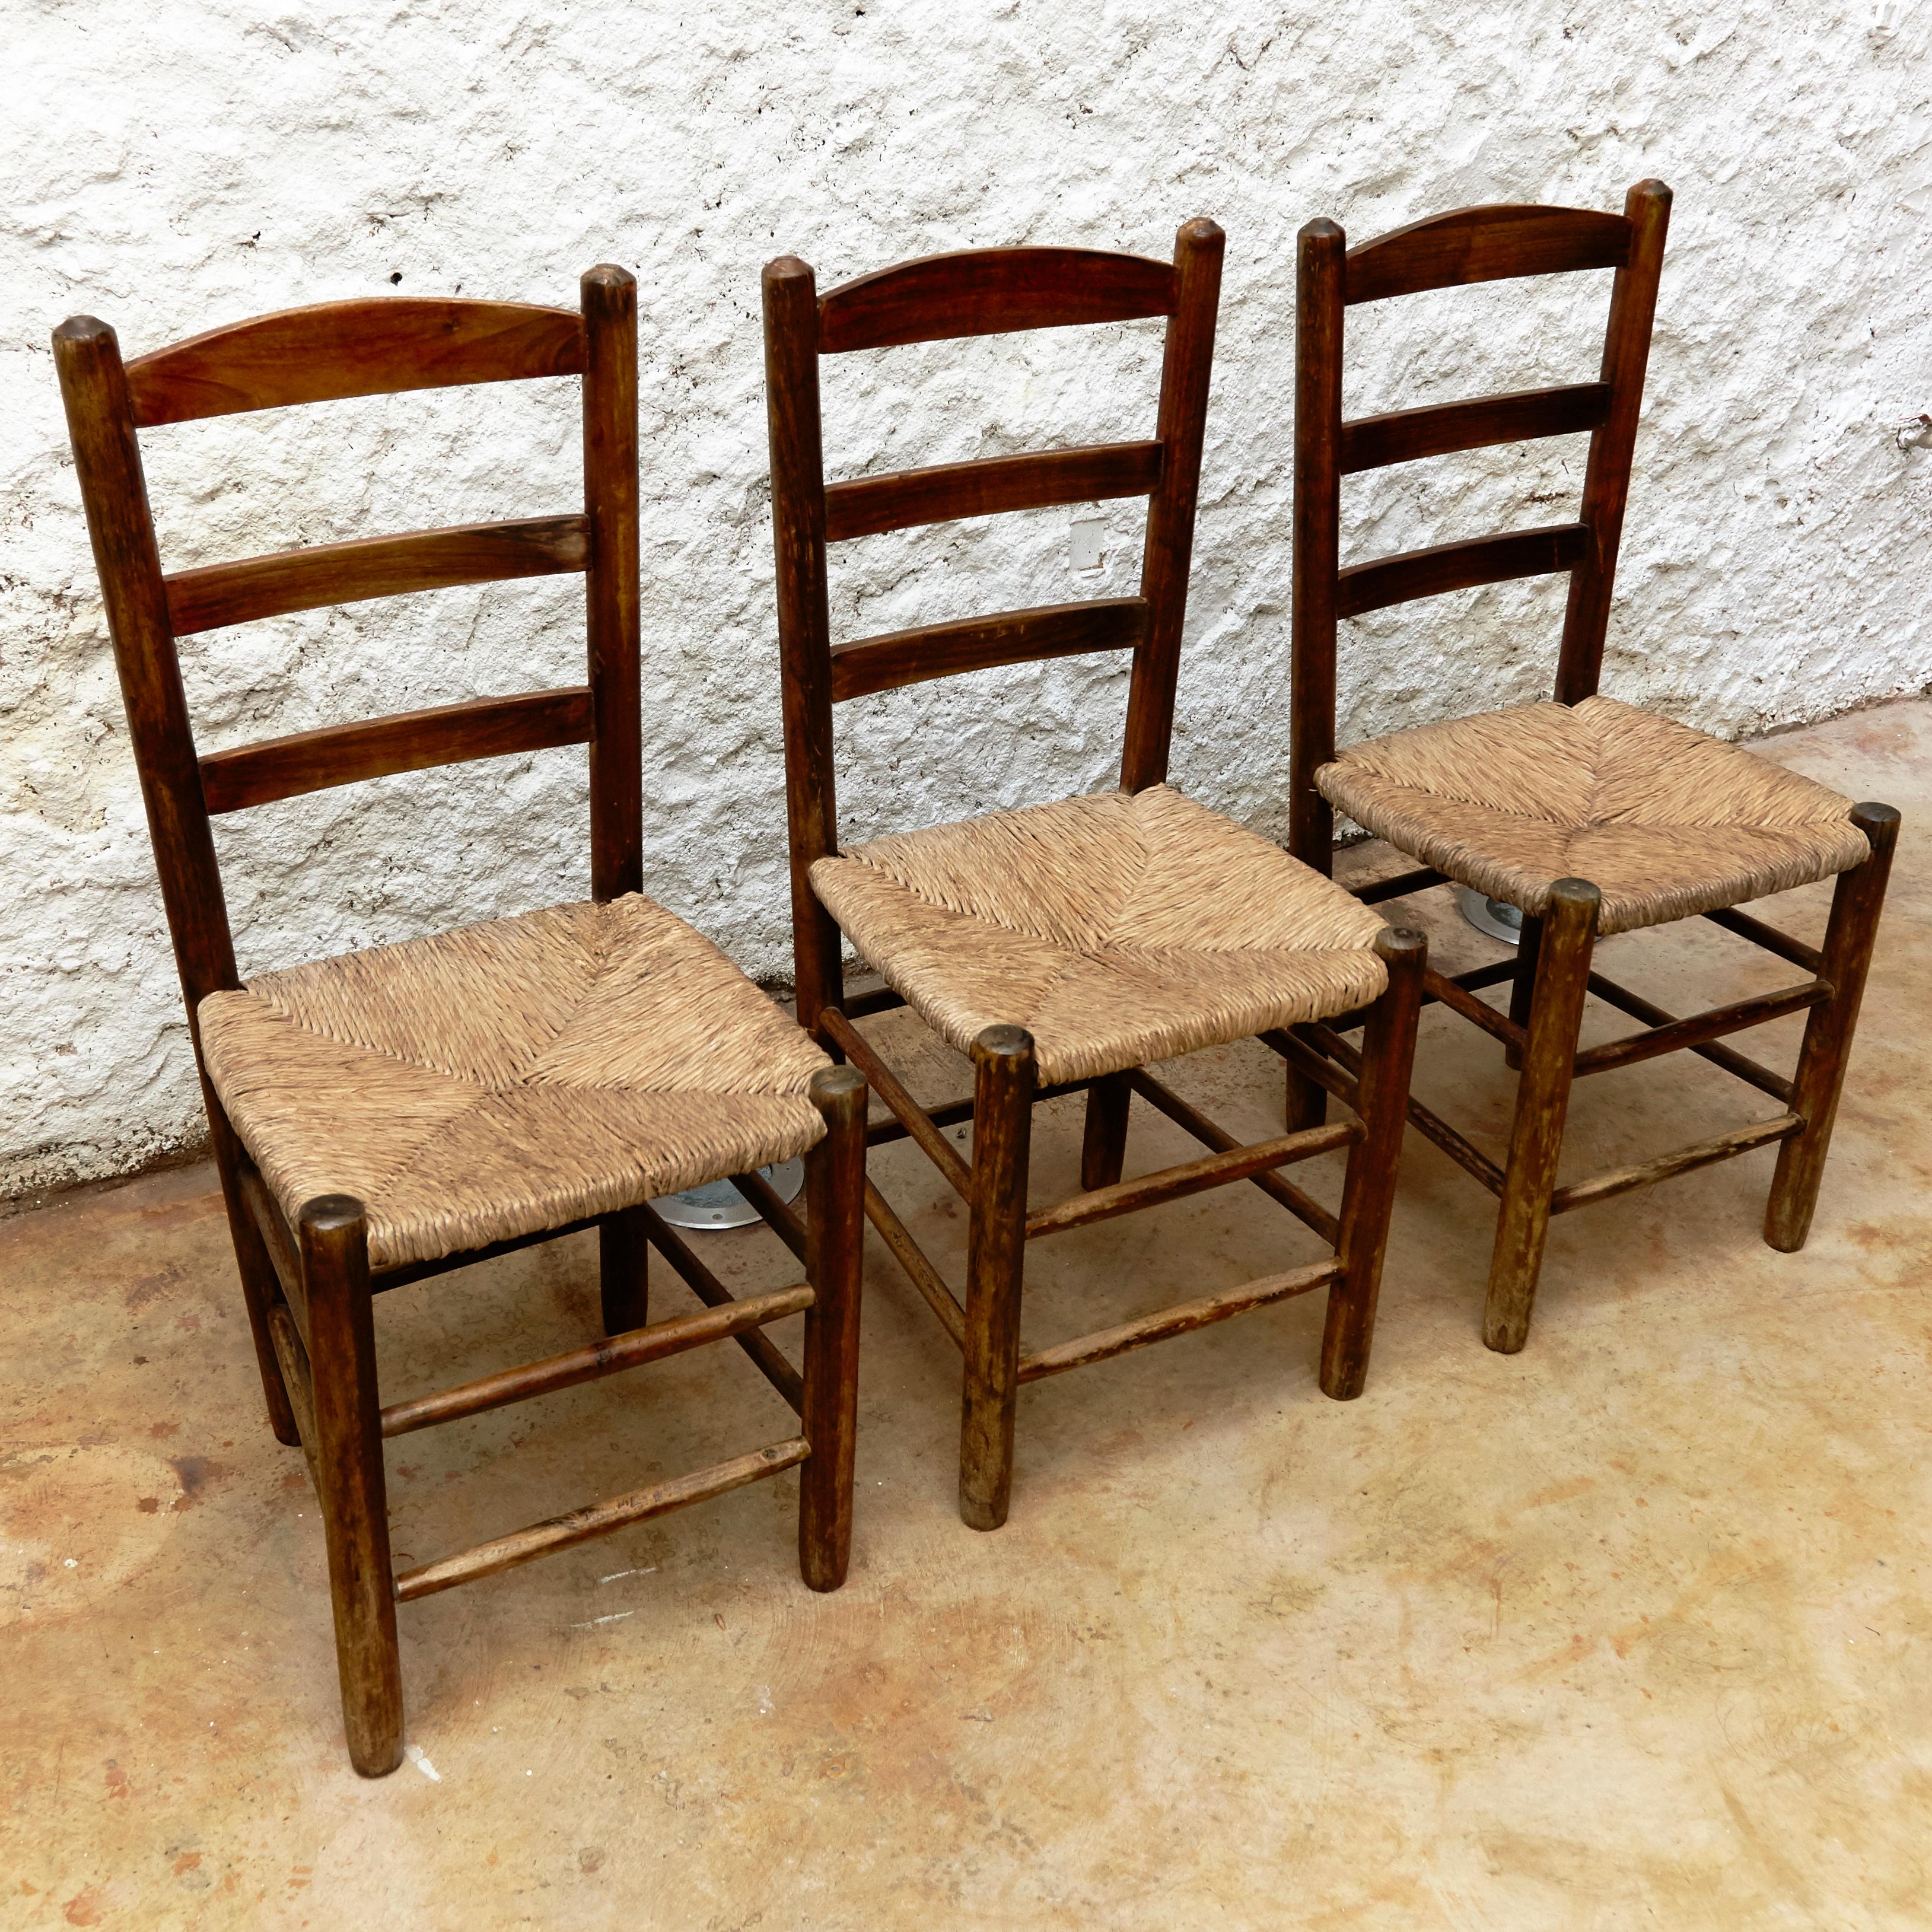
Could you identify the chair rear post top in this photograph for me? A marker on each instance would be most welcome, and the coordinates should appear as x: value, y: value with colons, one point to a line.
x: 374, y: 346
x: 942, y: 297
x: 1466, y: 246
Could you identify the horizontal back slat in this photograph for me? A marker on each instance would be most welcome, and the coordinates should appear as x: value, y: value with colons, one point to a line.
x: 977, y: 644
x: 215, y: 594
x: 989, y: 292
x: 410, y: 741
x: 375, y: 346
x: 871, y: 504
x: 1428, y: 573
x: 1405, y: 436
x: 1484, y: 245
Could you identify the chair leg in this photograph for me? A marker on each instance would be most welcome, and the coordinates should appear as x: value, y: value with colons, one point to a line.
x: 1368, y: 1195
x: 623, y: 1271
x: 1523, y: 985
x: 334, y: 1238
x: 1542, y: 1101
x: 835, y: 1181
x: 1307, y: 1102
x: 1002, y: 1089
x: 1103, y: 1147
x: 1856, y: 906
x: 260, y: 1289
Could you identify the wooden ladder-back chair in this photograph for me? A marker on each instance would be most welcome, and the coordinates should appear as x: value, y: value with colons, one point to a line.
x: 395, y: 1113
x: 1062, y: 946
x: 1589, y: 816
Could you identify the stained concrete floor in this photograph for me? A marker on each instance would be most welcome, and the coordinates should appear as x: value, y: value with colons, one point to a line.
x: 1629, y: 1629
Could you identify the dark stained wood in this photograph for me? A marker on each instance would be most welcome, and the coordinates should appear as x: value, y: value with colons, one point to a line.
x: 928, y: 651
x: 408, y: 741
x: 1768, y: 938
x: 1407, y: 435
x: 623, y: 1272
x: 1703, y: 1153
x: 579, y: 1525
x: 834, y: 1262
x: 1522, y: 982
x: 291, y: 1363
x: 1190, y: 1177
x: 1651, y: 1014
x: 805, y: 623
x: 1190, y: 1120
x: 1542, y: 1103
x: 1183, y: 1319
x: 765, y: 1354
x: 1038, y: 481
x: 1368, y: 1195
x: 1472, y: 981
x: 1697, y: 1028
x: 217, y: 594
x: 1412, y: 574
x: 1478, y: 1013
x: 1320, y: 322
x: 991, y: 291
x: 370, y: 346
x: 612, y: 596
x: 1186, y: 366
x: 1103, y: 1140
x: 334, y: 1236
x: 841, y: 1033
x: 1485, y: 244
x: 1849, y: 935
x: 1003, y: 1081
x: 1401, y: 885
x: 920, y: 1271
x: 260, y: 1289
x: 778, y: 1215
x: 880, y: 1000
x: 1606, y: 477
x: 609, y: 1356
x: 950, y: 1113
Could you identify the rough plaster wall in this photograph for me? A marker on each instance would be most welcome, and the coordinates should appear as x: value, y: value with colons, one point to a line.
x: 169, y: 165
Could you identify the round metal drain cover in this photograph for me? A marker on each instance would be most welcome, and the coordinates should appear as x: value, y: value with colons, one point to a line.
x: 718, y: 1205
x: 1496, y: 917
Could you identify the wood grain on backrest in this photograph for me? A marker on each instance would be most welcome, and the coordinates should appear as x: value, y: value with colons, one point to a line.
x: 375, y: 346
x: 1484, y: 245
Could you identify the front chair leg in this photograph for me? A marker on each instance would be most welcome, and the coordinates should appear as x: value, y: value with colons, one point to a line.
x: 1368, y: 1195
x: 1563, y: 951
x: 1856, y: 906
x: 1002, y: 1089
x: 334, y: 1234
x: 623, y: 1271
x: 835, y: 1244
x: 1103, y: 1146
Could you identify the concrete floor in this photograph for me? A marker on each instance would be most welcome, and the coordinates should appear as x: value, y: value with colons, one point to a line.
x: 1629, y: 1629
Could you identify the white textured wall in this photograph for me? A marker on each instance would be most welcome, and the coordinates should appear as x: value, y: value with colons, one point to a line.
x: 168, y: 166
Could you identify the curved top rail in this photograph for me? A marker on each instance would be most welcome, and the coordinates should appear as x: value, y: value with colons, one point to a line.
x: 1484, y: 244
x: 989, y: 292
x: 373, y: 345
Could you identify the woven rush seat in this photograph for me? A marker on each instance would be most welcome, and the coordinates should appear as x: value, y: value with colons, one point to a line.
x: 513, y: 1076
x: 1117, y: 929
x: 1666, y: 821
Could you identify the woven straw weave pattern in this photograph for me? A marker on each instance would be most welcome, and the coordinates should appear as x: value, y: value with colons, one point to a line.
x: 1118, y: 929
x: 510, y: 1077
x: 1664, y: 820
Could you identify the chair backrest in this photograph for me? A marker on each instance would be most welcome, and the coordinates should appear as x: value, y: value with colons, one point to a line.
x: 1471, y: 245
x: 941, y: 298
x: 369, y: 347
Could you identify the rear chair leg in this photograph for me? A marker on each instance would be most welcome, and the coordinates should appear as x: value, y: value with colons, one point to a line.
x: 835, y: 1243
x: 623, y: 1271
x: 1103, y: 1148
x: 1542, y: 1102
x: 260, y: 1289
x: 1002, y: 1089
x: 1307, y: 1102
x: 1856, y: 906
x: 1368, y: 1195
x: 1523, y: 985
x: 334, y: 1238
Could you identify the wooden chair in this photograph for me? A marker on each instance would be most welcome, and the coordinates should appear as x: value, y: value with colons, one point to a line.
x: 1591, y: 816
x: 1064, y: 946
x: 399, y: 1112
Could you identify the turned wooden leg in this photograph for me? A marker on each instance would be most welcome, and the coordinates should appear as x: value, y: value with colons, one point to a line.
x: 334, y: 1238
x: 1103, y: 1147
x: 1542, y: 1101
x: 260, y: 1290
x: 623, y: 1271
x: 1003, y: 1088
x: 1523, y: 985
x: 1368, y: 1195
x: 1856, y: 906
x: 834, y: 1246
x: 1307, y: 1103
